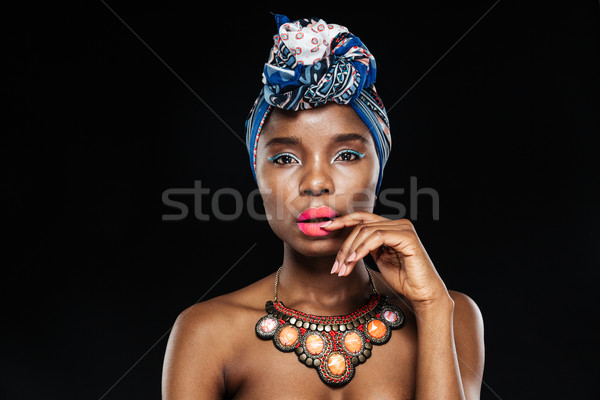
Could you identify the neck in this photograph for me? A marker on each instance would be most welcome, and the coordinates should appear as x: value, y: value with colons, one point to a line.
x: 306, y: 284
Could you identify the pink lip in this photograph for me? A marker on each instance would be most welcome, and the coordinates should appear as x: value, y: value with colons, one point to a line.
x: 314, y: 228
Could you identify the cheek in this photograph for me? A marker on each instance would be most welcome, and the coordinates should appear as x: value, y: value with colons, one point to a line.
x: 275, y: 191
x: 272, y: 184
x: 357, y: 189
x: 372, y: 174
x: 275, y: 181
x: 277, y: 212
x: 362, y: 200
x: 363, y: 178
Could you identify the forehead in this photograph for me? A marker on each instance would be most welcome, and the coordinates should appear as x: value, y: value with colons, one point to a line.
x: 324, y: 123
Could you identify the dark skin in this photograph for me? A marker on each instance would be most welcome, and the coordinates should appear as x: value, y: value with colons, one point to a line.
x: 438, y: 354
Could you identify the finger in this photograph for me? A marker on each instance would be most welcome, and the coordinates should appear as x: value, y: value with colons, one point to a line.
x: 344, y: 251
x: 371, y: 239
x: 342, y: 254
x: 352, y: 219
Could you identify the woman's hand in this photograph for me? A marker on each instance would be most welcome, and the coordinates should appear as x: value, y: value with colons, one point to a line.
x: 398, y: 252
x: 453, y: 325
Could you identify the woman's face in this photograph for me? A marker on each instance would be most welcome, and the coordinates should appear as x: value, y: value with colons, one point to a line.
x: 323, y: 158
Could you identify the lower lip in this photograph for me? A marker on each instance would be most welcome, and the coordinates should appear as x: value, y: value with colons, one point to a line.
x: 313, y: 229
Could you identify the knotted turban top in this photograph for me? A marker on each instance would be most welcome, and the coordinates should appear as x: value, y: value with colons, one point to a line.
x: 310, y: 64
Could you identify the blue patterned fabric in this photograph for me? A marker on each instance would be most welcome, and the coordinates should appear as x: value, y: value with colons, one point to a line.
x: 310, y: 64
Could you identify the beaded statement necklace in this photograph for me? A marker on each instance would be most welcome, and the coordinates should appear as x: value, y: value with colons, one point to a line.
x: 333, y: 345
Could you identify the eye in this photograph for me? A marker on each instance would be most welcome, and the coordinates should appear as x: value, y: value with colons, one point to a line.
x: 284, y: 159
x: 348, y: 155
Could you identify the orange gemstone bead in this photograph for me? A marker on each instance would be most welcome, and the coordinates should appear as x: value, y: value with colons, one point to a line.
x: 288, y: 336
x: 336, y: 364
x: 353, y: 342
x: 314, y: 344
x: 376, y: 328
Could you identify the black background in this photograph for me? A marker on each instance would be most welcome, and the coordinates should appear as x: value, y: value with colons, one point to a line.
x: 98, y: 128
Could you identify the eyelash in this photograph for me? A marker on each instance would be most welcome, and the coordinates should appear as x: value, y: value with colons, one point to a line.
x: 349, y: 151
x: 277, y: 157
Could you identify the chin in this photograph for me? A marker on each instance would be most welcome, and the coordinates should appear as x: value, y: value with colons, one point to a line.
x: 316, y: 249
x: 310, y: 246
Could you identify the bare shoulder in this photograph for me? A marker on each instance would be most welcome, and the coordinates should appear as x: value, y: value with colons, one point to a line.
x: 207, y: 317
x: 469, y: 341
x: 466, y: 310
x: 204, y: 337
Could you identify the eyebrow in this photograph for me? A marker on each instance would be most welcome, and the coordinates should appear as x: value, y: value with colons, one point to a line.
x: 350, y: 137
x: 338, y: 138
x: 289, y: 140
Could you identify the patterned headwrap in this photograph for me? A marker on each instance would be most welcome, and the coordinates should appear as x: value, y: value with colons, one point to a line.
x: 312, y: 63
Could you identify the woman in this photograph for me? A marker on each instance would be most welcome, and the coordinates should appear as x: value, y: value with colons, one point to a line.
x: 318, y: 139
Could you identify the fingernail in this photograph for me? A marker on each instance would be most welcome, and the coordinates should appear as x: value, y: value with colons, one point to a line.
x: 351, y: 257
x: 342, y: 270
x: 326, y: 223
x: 335, y: 265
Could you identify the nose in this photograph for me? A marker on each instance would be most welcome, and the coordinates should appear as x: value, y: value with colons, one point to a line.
x: 317, y: 180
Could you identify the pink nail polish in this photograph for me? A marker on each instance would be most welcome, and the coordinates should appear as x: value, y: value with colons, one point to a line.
x: 342, y: 270
x: 335, y: 266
